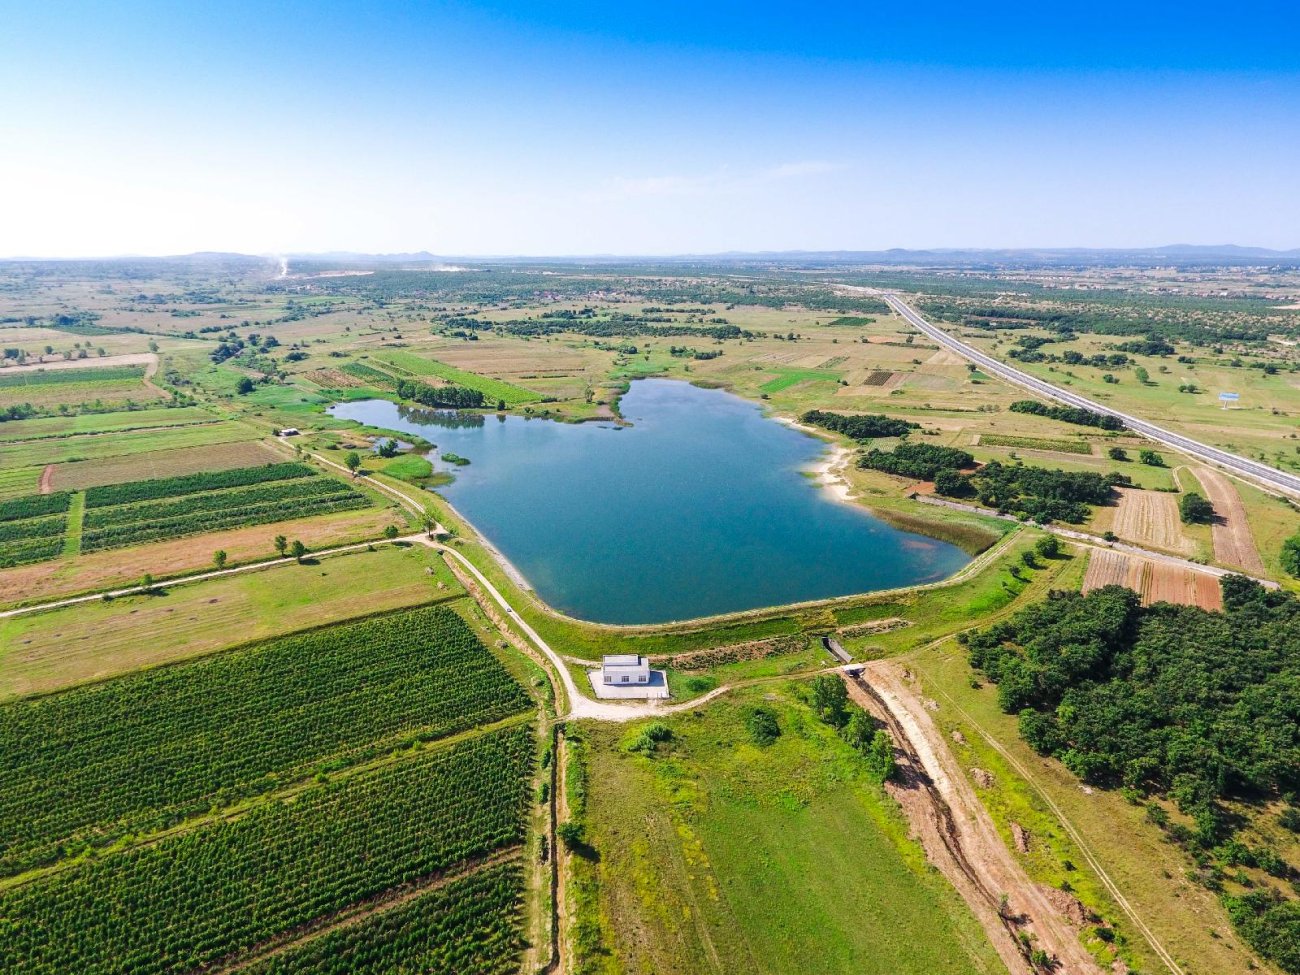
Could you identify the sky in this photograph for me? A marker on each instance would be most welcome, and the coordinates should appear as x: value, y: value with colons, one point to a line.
x: 584, y: 128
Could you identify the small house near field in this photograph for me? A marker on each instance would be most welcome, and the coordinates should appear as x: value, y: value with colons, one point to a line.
x: 624, y: 668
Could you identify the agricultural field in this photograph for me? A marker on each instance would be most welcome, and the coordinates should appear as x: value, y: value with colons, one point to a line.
x: 1152, y: 580
x: 150, y: 464
x: 305, y: 790
x: 784, y: 857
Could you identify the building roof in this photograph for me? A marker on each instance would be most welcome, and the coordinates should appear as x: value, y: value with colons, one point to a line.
x: 622, y: 660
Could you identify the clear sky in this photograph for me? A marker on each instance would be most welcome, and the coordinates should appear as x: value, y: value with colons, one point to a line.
x: 559, y: 128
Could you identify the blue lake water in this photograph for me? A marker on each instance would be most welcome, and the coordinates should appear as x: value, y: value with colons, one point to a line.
x: 700, y: 507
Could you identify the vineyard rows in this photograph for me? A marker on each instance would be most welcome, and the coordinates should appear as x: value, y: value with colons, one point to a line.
x: 469, y: 927
x: 214, y: 892
x: 35, y: 505
x: 170, y: 487
x: 138, y: 753
x: 290, y: 503
x: 252, y: 494
x: 1035, y: 443
x: 32, y: 528
x: 371, y: 377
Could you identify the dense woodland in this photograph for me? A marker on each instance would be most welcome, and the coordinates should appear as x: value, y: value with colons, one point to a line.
x: 860, y: 426
x: 1171, y: 702
x: 1068, y: 414
x: 452, y: 397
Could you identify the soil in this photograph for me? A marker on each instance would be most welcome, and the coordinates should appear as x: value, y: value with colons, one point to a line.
x: 1151, y: 518
x: 1155, y: 581
x: 1234, y: 545
x: 958, y: 834
x: 47, y: 479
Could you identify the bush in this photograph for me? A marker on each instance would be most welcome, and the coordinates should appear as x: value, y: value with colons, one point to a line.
x: 763, y: 726
x: 830, y: 699
x: 1291, y: 555
x: 1151, y: 458
x: 1117, y: 453
x: 1049, y: 547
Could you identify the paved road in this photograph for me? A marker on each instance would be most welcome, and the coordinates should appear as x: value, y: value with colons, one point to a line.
x: 1262, y: 474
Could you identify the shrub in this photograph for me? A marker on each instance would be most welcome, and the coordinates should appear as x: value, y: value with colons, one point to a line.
x: 763, y: 726
x: 1195, y: 510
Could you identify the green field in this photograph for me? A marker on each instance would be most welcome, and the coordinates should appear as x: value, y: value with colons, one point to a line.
x: 67, y: 426
x: 116, y: 443
x: 792, y: 377
x: 785, y: 859
x: 492, y: 389
x: 89, y: 376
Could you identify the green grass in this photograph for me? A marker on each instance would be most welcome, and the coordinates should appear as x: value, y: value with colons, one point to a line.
x: 787, y: 859
x: 792, y: 377
x: 118, y: 443
x: 492, y: 389
x: 89, y: 376
x: 43, y: 652
x: 19, y: 482
x: 1036, y: 443
x: 67, y: 426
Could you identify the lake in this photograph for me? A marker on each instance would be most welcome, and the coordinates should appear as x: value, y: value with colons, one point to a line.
x: 701, y: 506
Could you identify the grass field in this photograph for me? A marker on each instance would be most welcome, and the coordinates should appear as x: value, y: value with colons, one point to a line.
x: 43, y: 652
x: 19, y: 482
x: 785, y: 859
x: 492, y: 389
x: 792, y: 377
x: 66, y: 426
x: 117, y: 443
x: 173, y: 462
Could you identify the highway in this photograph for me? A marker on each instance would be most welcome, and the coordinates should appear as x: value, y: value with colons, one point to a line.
x: 1265, y: 476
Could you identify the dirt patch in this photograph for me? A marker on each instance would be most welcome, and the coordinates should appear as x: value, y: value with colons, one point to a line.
x: 79, y: 475
x: 332, y: 379
x: 716, y: 656
x: 1071, y: 907
x: 1234, y: 545
x: 874, y: 626
x: 47, y: 480
x: 1020, y: 837
x: 958, y: 834
x: 1151, y: 518
x: 983, y: 778
x: 1154, y: 581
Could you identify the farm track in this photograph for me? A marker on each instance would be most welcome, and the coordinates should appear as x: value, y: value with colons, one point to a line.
x: 1233, y: 543
x: 959, y: 836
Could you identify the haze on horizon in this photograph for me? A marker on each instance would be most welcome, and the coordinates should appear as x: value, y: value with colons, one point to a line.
x: 500, y: 128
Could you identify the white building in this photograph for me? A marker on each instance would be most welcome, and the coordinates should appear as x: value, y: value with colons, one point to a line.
x: 624, y: 668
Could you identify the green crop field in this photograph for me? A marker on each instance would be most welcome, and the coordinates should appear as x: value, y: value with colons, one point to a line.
x: 222, y: 888
x: 468, y: 927
x: 781, y: 859
x: 148, y: 750
x: 792, y: 377
x: 119, y: 421
x: 1035, y: 443
x: 88, y: 376
x: 116, y: 443
x: 492, y: 389
x: 118, y: 515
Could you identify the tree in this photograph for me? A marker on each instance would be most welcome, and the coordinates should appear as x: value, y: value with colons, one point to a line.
x: 1291, y: 555
x: 353, y: 460
x: 219, y: 558
x: 298, y: 549
x: 1195, y: 510
x: 830, y: 700
x: 427, y: 524
x: 391, y: 532
x: 880, y: 756
x: 146, y: 582
x: 571, y: 832
x: 244, y: 386
x: 859, y: 730
x: 952, y: 484
x: 1151, y: 458
x: 1117, y: 453
x: 1048, y: 547
x: 281, y: 543
x: 501, y: 406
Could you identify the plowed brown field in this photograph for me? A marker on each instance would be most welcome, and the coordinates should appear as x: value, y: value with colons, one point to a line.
x: 1154, y: 581
x: 1151, y: 518
x: 1234, y: 545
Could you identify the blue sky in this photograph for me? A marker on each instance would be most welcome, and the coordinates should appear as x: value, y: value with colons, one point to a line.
x: 584, y: 128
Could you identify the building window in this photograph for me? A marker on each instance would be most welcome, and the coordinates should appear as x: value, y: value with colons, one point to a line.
x: 625, y: 678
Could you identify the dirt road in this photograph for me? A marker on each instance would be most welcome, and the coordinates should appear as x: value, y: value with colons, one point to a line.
x: 959, y: 836
x: 1233, y: 543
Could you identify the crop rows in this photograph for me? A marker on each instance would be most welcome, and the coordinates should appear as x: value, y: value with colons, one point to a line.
x: 53, y: 377
x: 32, y: 529
x: 1035, y: 443
x: 35, y: 505
x: 469, y: 927
x: 205, y: 895
x: 369, y: 375
x: 32, y: 549
x: 141, y: 752
x: 170, y: 487
x: 252, y: 494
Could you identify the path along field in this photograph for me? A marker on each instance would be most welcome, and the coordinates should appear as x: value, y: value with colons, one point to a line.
x: 1154, y: 581
x: 1151, y: 518
x: 1234, y: 544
